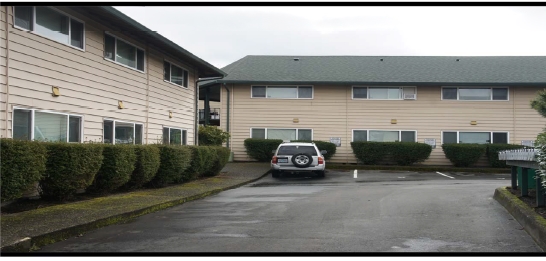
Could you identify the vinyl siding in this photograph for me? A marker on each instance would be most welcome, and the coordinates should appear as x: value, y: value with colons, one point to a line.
x: 91, y: 85
x: 3, y: 66
x: 333, y: 113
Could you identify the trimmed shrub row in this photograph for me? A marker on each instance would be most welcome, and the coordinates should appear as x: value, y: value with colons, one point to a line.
x: 465, y: 155
x: 62, y: 169
x: 260, y: 149
x: 403, y: 153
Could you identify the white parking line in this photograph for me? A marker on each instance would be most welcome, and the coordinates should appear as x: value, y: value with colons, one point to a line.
x: 444, y: 175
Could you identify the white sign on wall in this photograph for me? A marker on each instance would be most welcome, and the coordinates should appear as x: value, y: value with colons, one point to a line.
x: 431, y: 142
x: 336, y: 141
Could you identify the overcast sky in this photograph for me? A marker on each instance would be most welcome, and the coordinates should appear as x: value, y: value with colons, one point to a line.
x: 222, y: 35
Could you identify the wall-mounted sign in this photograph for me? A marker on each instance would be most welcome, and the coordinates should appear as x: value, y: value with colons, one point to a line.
x: 336, y: 141
x: 431, y: 142
x: 529, y: 143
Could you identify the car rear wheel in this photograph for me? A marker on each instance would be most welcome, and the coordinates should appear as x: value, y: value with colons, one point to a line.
x: 302, y: 160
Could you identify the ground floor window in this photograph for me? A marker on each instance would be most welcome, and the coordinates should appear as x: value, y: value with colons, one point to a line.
x: 385, y: 135
x: 122, y: 132
x: 478, y: 137
x: 31, y: 124
x: 174, y: 136
x: 281, y: 134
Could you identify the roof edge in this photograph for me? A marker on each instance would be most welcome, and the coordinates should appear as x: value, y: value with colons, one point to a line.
x: 388, y: 83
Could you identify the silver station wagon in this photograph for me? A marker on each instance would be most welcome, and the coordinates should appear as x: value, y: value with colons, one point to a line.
x: 293, y: 157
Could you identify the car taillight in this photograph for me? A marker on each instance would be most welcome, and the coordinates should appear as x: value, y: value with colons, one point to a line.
x: 320, y: 160
x: 274, y: 160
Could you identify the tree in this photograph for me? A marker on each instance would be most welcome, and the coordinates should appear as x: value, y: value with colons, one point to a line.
x: 539, y: 104
x: 212, y: 136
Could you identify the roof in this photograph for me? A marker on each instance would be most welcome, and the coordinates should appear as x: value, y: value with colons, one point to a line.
x: 421, y: 70
x: 119, y: 21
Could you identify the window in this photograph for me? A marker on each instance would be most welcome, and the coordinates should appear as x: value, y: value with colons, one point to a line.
x: 175, y: 74
x: 384, y: 93
x: 282, y: 92
x: 282, y: 134
x: 475, y: 93
x: 122, y: 52
x: 174, y: 136
x: 384, y: 135
x: 29, y: 124
x: 293, y: 150
x: 474, y: 137
x: 51, y: 24
x: 121, y: 132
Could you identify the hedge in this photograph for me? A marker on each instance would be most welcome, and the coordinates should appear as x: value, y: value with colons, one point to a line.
x: 403, y: 153
x: 70, y: 167
x: 463, y: 155
x: 493, y: 153
x: 23, y: 164
x: 146, y: 166
x: 219, y: 158
x: 260, y: 149
x: 200, y: 161
x: 175, y: 159
x: 117, y: 166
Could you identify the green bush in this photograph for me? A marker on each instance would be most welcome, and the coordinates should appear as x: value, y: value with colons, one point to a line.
x: 493, y: 153
x: 200, y: 161
x: 117, y: 166
x: 370, y: 152
x: 464, y: 155
x: 408, y: 153
x: 146, y: 166
x: 323, y: 145
x: 174, y: 162
x: 212, y: 136
x: 260, y: 149
x: 70, y: 167
x: 23, y: 164
x: 220, y: 157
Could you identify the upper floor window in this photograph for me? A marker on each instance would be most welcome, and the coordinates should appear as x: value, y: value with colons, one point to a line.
x: 122, y: 52
x: 50, y: 23
x: 175, y: 74
x: 384, y: 135
x: 384, y: 93
x: 30, y: 124
x: 282, y: 92
x: 475, y: 93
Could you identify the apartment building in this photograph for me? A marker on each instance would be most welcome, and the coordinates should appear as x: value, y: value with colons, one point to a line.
x: 92, y: 74
x: 428, y: 99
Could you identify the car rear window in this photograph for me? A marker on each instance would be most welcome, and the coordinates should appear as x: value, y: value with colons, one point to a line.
x: 292, y: 150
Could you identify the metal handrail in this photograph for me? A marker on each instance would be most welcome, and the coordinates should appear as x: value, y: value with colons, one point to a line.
x: 521, y: 154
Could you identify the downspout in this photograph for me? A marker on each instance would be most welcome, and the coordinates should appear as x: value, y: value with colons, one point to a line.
x: 147, y: 90
x: 7, y: 69
x: 196, y: 118
x: 227, y: 116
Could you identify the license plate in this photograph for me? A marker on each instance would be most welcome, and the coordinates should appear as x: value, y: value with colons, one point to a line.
x: 282, y: 160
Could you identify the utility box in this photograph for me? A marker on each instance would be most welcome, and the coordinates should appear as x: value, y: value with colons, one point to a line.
x: 530, y: 180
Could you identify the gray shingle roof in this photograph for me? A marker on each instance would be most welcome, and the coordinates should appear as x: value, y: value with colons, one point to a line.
x: 431, y: 70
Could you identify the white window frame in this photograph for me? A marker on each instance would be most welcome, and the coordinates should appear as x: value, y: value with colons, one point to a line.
x: 368, y: 134
x: 297, y: 131
x: 171, y: 73
x: 32, y: 112
x: 476, y: 87
x: 490, y: 133
x: 116, y: 51
x: 297, y: 87
x: 401, y: 92
x: 177, y: 128
x: 33, y: 31
x: 114, y: 130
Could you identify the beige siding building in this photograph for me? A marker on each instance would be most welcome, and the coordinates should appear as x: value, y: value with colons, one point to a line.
x: 83, y: 74
x: 300, y: 99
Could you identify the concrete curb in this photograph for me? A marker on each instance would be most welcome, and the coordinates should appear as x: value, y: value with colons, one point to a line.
x: 29, y: 244
x: 533, y: 223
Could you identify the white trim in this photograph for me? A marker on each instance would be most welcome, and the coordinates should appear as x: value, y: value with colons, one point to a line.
x: 114, y: 129
x: 182, y: 133
x: 400, y: 88
x: 476, y: 87
x: 490, y: 133
x: 368, y: 134
x: 33, y: 31
x: 116, y: 51
x: 171, y: 73
x: 33, y: 117
x: 297, y: 87
x: 297, y: 131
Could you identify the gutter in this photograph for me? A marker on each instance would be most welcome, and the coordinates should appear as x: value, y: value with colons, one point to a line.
x: 227, y: 118
x: 390, y: 83
x: 196, y: 119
